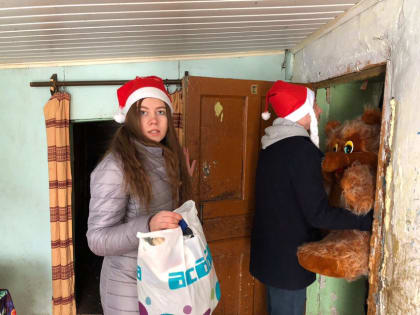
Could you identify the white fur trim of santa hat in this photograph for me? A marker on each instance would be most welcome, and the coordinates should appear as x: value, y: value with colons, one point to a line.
x: 304, y: 109
x: 145, y: 93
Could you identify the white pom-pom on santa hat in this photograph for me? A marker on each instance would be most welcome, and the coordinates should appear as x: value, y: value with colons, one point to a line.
x: 119, y: 118
x: 266, y: 115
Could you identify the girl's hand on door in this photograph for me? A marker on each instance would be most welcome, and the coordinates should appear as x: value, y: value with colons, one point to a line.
x: 190, y: 166
x: 164, y: 220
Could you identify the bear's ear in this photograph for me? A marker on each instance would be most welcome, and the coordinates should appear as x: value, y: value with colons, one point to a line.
x: 372, y: 116
x: 330, y: 126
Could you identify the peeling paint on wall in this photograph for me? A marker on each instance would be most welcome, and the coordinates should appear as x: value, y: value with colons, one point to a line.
x: 322, y: 282
x: 389, y: 170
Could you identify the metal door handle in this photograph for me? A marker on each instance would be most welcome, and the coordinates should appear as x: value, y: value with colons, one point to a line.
x: 206, y: 169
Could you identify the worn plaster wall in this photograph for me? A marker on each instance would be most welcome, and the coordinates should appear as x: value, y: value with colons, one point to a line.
x: 385, y: 31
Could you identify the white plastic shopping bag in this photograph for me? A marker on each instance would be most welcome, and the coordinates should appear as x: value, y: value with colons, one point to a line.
x: 175, y: 272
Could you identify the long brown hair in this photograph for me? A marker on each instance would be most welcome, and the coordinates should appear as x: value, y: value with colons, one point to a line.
x: 136, y: 179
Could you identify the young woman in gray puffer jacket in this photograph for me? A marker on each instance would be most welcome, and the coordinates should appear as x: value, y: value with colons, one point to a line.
x: 141, y: 179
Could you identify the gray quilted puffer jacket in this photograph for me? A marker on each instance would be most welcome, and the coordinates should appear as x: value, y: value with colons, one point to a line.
x: 114, y: 220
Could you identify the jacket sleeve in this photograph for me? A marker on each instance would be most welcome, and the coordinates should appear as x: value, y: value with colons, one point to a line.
x: 306, y: 177
x: 107, y: 233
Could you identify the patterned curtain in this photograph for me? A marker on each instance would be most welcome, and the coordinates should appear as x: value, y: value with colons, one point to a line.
x: 178, y: 105
x: 57, y: 117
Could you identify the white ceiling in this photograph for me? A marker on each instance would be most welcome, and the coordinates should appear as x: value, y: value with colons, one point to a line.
x: 33, y: 31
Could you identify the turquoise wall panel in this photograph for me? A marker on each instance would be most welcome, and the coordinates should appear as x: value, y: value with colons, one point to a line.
x: 25, y: 255
x: 252, y: 68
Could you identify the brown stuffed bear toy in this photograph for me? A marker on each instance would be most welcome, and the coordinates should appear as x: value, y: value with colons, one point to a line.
x: 349, y: 170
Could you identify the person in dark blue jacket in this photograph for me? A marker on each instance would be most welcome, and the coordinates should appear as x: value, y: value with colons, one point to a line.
x: 291, y: 202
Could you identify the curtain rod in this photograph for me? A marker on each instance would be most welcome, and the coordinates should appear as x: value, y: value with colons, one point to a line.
x: 88, y: 83
x: 54, y: 84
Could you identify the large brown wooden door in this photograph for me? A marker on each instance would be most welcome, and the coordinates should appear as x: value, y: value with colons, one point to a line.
x: 223, y: 127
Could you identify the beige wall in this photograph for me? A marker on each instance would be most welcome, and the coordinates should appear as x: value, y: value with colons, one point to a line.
x: 374, y: 32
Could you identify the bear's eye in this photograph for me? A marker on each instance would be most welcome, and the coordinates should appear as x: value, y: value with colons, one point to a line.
x: 335, y: 147
x: 348, y: 148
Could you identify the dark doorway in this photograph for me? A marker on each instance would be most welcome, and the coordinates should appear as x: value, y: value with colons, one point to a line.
x: 90, y: 140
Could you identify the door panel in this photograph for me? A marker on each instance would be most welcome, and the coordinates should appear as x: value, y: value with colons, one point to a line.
x: 227, y: 227
x: 223, y: 127
x: 221, y: 178
x: 231, y: 260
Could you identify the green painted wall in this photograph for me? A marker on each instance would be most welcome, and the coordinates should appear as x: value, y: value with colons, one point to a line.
x: 331, y: 295
x: 25, y: 256
x: 346, y: 101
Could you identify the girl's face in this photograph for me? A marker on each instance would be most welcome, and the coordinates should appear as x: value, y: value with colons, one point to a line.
x: 153, y: 119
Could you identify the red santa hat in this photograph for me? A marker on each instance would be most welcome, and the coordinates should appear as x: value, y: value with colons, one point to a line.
x: 292, y: 102
x: 137, y: 89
